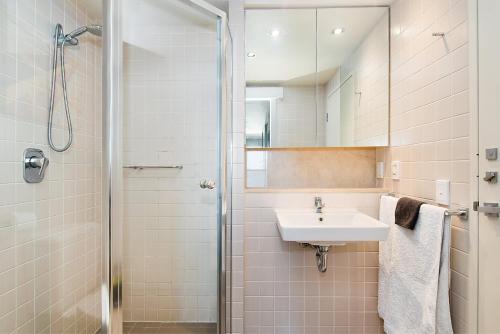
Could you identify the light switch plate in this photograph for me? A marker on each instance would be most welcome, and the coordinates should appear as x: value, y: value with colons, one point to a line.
x: 492, y: 153
x: 396, y: 170
x: 443, y: 192
x: 380, y: 170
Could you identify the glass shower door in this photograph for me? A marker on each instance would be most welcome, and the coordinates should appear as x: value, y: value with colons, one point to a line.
x: 173, y: 161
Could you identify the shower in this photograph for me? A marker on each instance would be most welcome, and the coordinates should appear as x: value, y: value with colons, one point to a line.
x: 60, y: 41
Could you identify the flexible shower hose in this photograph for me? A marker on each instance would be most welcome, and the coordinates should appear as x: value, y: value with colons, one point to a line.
x: 59, y: 41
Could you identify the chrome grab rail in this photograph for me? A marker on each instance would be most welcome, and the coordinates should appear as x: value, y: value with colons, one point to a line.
x: 152, y: 166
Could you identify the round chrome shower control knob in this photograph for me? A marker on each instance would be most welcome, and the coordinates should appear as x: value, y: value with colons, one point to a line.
x: 207, y: 184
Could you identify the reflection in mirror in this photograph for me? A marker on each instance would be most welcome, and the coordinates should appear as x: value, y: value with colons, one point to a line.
x: 281, y: 69
x: 258, y: 123
x: 317, y: 77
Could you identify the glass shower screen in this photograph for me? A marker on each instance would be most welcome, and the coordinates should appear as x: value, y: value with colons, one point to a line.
x: 174, y: 168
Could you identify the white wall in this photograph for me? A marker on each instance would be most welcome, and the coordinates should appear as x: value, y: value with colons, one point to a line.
x: 50, y: 232
x: 170, y: 251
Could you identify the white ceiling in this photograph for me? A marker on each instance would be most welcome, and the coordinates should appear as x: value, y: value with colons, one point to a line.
x: 221, y: 4
x: 357, y: 22
x: 292, y: 56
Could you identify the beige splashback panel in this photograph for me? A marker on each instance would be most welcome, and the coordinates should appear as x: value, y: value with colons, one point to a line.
x: 311, y: 168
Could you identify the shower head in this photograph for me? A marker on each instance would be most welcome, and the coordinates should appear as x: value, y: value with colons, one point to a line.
x: 71, y: 38
x: 94, y: 29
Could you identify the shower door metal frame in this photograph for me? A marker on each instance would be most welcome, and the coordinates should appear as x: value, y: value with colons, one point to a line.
x: 112, y: 215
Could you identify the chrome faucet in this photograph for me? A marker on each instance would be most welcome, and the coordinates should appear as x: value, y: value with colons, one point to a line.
x: 318, y: 203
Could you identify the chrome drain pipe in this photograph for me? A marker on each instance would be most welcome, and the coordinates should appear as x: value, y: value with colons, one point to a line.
x: 322, y: 258
x: 321, y: 255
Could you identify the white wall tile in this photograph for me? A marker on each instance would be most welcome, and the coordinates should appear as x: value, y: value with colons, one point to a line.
x: 284, y: 290
x: 44, y: 247
x: 433, y: 146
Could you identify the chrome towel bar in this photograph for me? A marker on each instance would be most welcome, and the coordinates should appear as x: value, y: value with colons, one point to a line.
x: 151, y: 166
x: 462, y: 213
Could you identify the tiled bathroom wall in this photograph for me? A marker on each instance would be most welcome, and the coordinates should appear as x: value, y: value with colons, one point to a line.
x: 285, y: 292
x: 429, y: 135
x: 50, y: 247
x: 170, y: 237
x: 430, y: 118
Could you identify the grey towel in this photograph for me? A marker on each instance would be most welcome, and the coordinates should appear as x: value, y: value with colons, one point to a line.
x: 406, y: 213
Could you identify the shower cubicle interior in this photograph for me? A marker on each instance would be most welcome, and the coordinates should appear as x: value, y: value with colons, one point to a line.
x: 172, y: 184
x: 50, y: 231
x: 127, y: 229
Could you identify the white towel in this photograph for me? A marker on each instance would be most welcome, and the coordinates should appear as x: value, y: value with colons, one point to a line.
x: 414, y: 272
x: 443, y: 313
x: 386, y: 216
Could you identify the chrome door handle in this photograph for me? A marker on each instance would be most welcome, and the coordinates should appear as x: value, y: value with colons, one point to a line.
x: 490, y: 177
x: 489, y: 209
x: 207, y: 184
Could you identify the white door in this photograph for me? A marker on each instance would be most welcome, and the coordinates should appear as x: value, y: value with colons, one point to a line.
x: 489, y: 192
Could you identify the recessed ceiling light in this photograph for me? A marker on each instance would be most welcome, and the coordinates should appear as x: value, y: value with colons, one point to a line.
x: 337, y: 31
x: 251, y: 55
x: 275, y: 33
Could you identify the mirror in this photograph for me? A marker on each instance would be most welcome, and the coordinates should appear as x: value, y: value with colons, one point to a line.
x: 317, y: 77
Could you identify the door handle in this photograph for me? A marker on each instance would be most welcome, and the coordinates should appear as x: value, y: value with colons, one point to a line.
x: 207, y: 184
x: 489, y: 209
x: 490, y: 177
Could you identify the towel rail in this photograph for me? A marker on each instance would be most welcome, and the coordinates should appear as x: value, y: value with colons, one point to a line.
x: 152, y: 166
x: 462, y: 213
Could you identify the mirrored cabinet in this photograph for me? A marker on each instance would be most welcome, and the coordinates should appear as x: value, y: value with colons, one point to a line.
x: 317, y: 77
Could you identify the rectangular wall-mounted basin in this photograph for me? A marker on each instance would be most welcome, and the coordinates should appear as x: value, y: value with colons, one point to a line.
x: 332, y: 227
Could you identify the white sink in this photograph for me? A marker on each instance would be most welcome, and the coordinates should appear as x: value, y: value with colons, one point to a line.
x: 332, y: 227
